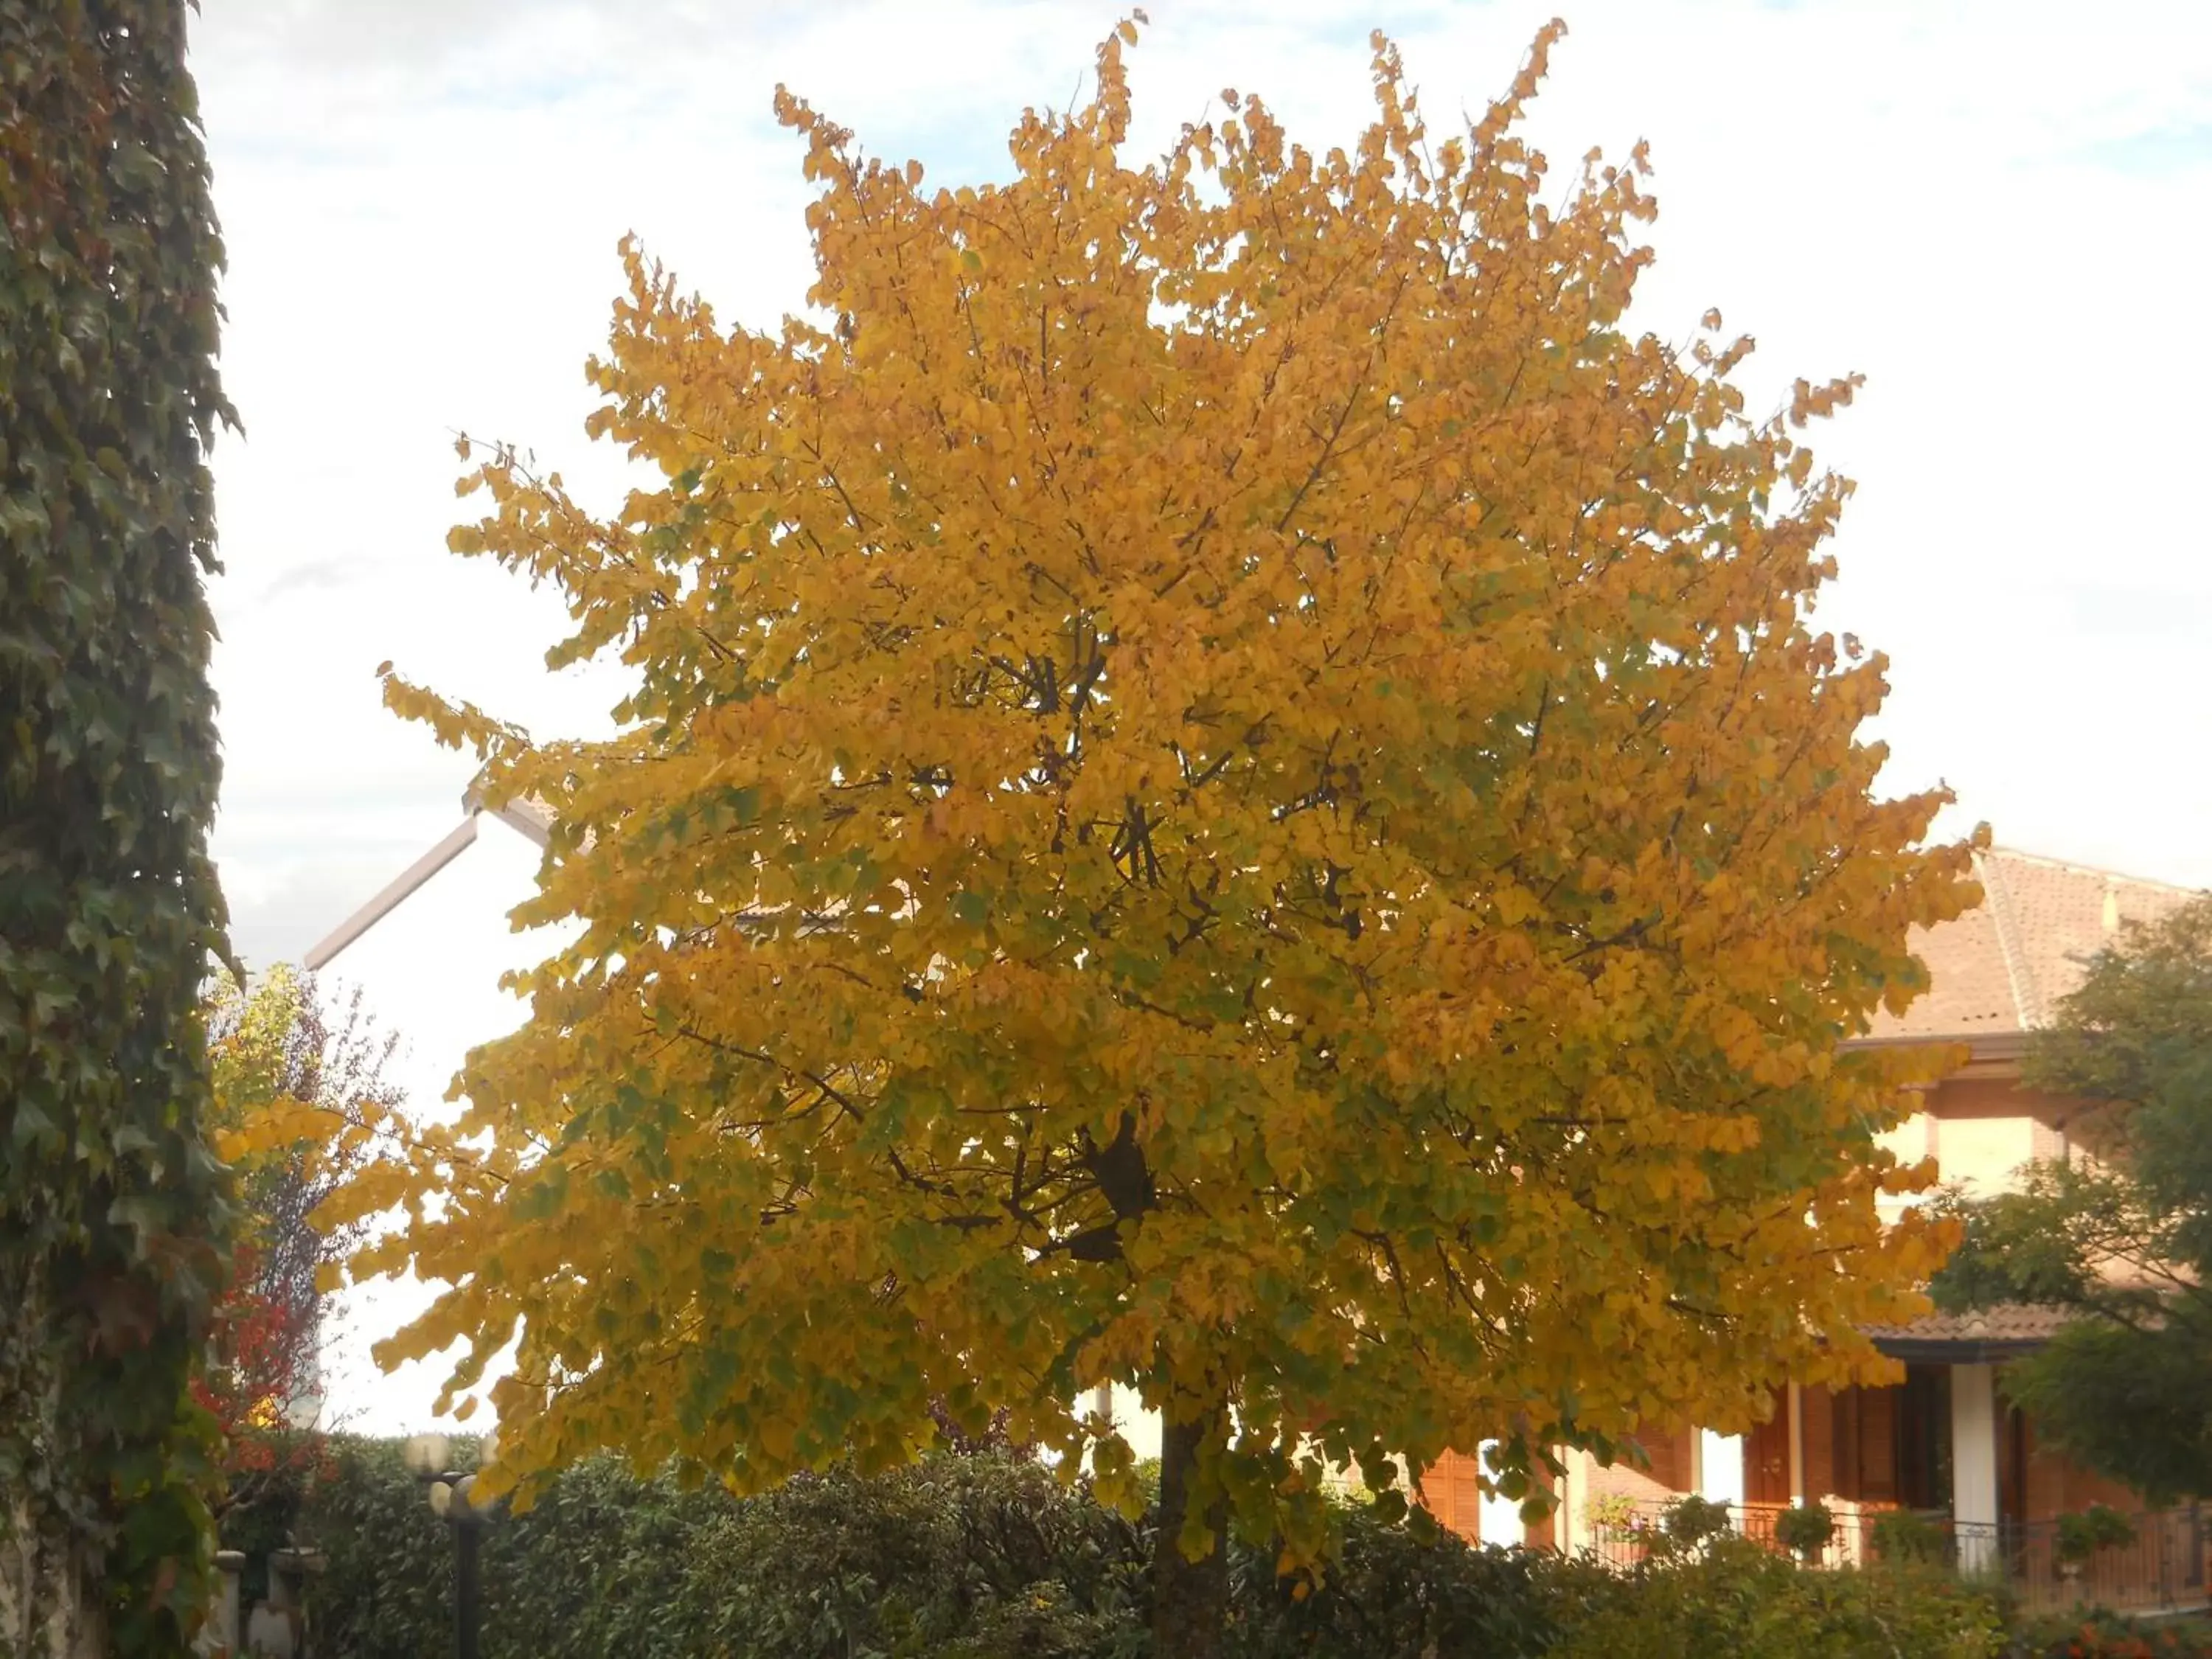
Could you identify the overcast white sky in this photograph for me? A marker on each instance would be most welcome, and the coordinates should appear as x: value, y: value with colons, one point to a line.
x: 1998, y: 211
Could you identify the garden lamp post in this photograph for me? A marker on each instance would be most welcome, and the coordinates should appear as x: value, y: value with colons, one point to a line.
x: 429, y: 1458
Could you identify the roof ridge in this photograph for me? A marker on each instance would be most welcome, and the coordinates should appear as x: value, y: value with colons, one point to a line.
x: 2077, y: 867
x: 2020, y: 978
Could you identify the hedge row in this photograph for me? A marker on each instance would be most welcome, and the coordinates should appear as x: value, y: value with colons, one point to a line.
x: 987, y: 1557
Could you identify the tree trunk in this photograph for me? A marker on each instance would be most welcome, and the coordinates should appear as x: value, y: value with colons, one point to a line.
x: 44, y: 1610
x: 1190, y: 1599
x: 49, y: 1600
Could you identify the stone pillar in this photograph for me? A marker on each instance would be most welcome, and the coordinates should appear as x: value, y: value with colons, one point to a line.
x: 229, y: 1620
x: 1794, y: 1403
x: 1720, y: 1466
x: 1974, y: 1464
x: 1567, y: 1492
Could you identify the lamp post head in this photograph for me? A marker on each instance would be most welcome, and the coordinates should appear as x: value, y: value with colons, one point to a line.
x: 426, y: 1454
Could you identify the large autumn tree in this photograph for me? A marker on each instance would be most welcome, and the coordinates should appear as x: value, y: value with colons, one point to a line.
x: 112, y: 1206
x: 1230, y: 788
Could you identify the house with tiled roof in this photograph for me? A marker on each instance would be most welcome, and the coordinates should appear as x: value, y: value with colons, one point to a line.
x: 1942, y: 1441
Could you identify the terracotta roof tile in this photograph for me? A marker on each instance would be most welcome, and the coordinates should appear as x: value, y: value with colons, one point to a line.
x: 2002, y: 967
x: 2008, y: 1322
x: 1979, y: 1335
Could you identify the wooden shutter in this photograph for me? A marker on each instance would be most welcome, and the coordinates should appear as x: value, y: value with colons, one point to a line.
x: 1766, y: 1458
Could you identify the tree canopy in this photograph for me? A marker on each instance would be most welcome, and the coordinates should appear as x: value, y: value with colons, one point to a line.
x: 2121, y: 1232
x: 112, y: 1208
x: 1229, y: 788
x: 284, y: 1066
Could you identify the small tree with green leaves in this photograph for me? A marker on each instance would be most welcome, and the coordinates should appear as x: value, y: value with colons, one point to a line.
x: 2122, y: 1237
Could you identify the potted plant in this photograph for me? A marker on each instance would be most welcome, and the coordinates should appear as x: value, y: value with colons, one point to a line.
x: 2080, y: 1536
x: 1805, y: 1529
x: 1612, y: 1516
x: 1906, y: 1536
x: 1691, y: 1523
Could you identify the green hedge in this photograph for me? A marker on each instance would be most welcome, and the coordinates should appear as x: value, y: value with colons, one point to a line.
x: 1740, y: 1599
x: 969, y: 1557
x: 987, y: 1557
x: 977, y: 1555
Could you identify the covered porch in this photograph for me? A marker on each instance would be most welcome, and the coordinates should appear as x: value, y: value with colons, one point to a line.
x: 2160, y: 1570
x: 1941, y: 1445
x: 1944, y: 1446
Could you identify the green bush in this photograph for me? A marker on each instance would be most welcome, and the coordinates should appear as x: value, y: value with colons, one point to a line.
x: 973, y: 1556
x: 1741, y: 1600
x: 984, y: 1557
x: 1394, y: 1594
x: 990, y: 1557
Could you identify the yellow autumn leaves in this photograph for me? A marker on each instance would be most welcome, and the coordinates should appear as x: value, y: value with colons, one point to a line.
x: 1231, y: 789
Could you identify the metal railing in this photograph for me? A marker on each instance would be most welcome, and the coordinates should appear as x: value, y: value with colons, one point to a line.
x: 2163, y: 1566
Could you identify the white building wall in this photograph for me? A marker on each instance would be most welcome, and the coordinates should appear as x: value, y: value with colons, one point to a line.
x: 1984, y: 1155
x: 1139, y: 1426
x: 1911, y: 1141
x: 1497, y: 1519
x: 1720, y: 1466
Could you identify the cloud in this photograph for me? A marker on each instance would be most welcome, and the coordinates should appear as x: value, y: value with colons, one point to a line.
x: 313, y: 575
x: 345, y: 37
x: 2157, y: 153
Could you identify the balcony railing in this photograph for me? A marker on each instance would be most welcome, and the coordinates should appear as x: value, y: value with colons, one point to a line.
x: 2163, y: 1567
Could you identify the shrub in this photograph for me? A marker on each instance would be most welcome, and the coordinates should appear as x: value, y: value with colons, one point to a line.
x: 990, y: 1557
x: 976, y: 1557
x: 1738, y: 1599
x: 2101, y: 1635
x: 981, y: 1557
x: 1393, y: 1593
